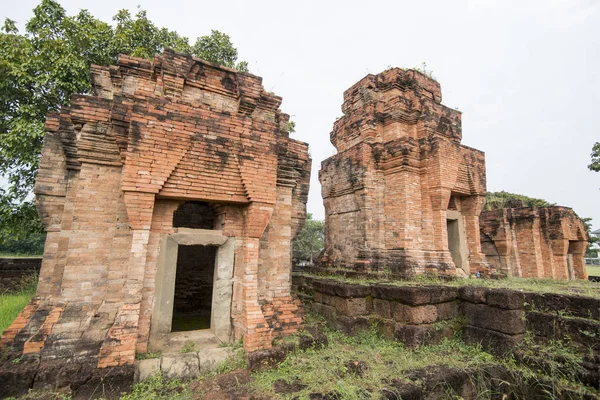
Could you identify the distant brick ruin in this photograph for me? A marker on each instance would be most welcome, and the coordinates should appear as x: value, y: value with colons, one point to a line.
x: 546, y: 242
x: 402, y: 194
x: 14, y: 270
x: 169, y: 160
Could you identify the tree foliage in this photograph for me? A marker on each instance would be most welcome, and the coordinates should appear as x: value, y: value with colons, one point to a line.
x: 43, y: 66
x: 595, y: 165
x: 496, y: 200
x: 32, y: 245
x: 591, y: 238
x: 309, y: 241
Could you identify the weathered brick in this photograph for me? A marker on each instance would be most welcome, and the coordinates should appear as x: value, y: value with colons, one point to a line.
x: 383, y: 308
x: 115, y: 168
x: 510, y: 322
x: 504, y: 298
x: 473, y: 294
x: 535, y: 242
x: 401, y: 183
x: 419, y: 315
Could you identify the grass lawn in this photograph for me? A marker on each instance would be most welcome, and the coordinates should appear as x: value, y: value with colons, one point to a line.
x: 10, y: 306
x: 11, y: 303
x: 19, y: 255
x: 593, y: 270
x: 544, y: 285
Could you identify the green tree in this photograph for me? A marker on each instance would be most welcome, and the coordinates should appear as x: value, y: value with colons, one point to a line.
x: 595, y: 165
x: 42, y: 67
x: 591, y: 238
x: 309, y: 241
x: 217, y: 47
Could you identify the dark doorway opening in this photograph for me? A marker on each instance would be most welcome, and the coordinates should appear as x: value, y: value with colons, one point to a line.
x: 195, y: 215
x: 193, y: 287
x: 570, y: 261
x: 454, y: 242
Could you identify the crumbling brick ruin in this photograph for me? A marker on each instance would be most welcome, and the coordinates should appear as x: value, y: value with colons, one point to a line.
x: 402, y: 194
x: 170, y: 155
x: 546, y: 242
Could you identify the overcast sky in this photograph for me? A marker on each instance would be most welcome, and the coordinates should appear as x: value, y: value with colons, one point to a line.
x: 525, y: 74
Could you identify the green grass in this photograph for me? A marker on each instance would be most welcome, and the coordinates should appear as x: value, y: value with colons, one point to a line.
x: 157, y: 387
x: 11, y: 303
x: 326, y: 370
x: 19, y: 255
x: 333, y: 369
x: 593, y: 270
x: 545, y: 285
x: 148, y: 355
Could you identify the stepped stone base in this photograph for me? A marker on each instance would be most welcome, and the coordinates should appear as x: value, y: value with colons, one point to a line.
x: 182, y: 365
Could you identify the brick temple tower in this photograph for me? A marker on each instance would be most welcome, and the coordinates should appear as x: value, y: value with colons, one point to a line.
x: 170, y: 196
x: 402, y: 194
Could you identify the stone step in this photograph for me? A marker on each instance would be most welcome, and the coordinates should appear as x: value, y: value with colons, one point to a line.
x: 190, y: 341
x: 182, y: 365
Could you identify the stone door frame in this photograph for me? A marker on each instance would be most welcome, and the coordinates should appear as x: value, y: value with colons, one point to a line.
x: 164, y: 291
x: 462, y: 248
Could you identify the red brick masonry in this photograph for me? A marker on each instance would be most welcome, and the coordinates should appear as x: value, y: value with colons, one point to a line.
x: 399, y: 176
x: 546, y: 242
x: 114, y: 168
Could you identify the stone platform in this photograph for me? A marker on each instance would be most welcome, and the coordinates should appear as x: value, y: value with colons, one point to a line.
x: 498, y: 319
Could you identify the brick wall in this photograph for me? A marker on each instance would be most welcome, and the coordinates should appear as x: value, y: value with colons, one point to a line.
x: 13, y: 270
x: 546, y: 242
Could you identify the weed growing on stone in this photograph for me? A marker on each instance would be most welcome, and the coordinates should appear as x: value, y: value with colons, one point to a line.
x: 188, y: 347
x: 158, y: 388
x: 292, y: 340
x: 581, y: 287
x: 423, y: 69
x: 148, y: 355
x: 364, y: 367
x: 237, y: 360
x: 455, y: 324
x: 233, y: 345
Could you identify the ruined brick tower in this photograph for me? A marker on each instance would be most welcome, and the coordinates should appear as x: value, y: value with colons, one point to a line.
x: 402, y: 193
x: 173, y: 190
x: 531, y: 242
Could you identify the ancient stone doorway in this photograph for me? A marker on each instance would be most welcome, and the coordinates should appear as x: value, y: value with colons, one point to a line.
x: 169, y: 304
x: 456, y: 242
x: 570, y: 261
x: 192, y: 302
